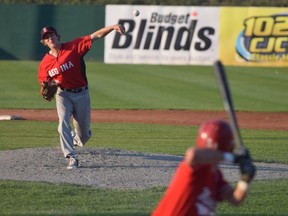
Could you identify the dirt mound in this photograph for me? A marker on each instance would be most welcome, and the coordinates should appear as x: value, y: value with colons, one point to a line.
x: 109, y: 168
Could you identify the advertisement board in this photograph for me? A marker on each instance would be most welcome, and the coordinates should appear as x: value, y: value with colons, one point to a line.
x: 253, y: 36
x: 241, y: 36
x: 162, y: 35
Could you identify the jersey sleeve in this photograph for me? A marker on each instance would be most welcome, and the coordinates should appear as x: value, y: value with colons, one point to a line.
x: 42, y: 74
x: 83, y: 44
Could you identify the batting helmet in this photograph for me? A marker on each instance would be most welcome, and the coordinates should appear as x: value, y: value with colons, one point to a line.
x: 216, y: 134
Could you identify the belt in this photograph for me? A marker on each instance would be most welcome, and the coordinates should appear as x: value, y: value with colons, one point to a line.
x: 76, y: 90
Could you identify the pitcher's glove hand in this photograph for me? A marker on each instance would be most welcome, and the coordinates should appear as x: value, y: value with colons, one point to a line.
x: 48, y: 90
x: 247, y: 168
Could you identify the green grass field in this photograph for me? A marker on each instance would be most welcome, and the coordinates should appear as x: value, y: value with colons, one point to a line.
x: 141, y: 87
x: 265, y: 145
x: 26, y: 198
x: 154, y: 87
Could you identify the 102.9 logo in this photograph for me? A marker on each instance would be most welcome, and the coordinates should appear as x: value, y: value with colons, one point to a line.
x: 264, y: 38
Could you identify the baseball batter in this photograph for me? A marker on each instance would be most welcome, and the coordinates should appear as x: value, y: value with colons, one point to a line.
x: 198, y: 184
x: 64, y: 64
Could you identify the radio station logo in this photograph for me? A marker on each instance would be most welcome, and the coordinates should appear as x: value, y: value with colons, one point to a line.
x: 264, y: 38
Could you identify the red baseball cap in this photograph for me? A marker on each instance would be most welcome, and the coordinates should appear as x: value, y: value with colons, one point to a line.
x: 47, y: 30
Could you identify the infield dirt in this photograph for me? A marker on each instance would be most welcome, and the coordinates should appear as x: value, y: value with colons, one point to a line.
x: 254, y: 120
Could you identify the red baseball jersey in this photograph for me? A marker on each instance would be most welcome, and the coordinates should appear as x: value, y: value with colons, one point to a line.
x: 193, y: 191
x: 68, y: 69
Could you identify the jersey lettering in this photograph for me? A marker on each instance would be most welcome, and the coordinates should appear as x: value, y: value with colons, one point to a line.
x: 53, y: 72
x: 205, y: 204
x: 63, y: 67
x: 66, y: 66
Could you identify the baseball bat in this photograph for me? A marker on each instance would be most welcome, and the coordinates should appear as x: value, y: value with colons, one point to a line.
x: 227, y: 99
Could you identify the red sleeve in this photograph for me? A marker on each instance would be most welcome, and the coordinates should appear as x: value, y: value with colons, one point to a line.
x: 42, y: 72
x: 179, y: 198
x: 83, y: 44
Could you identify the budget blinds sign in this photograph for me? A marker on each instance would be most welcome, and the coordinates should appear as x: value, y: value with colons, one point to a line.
x: 162, y: 35
x: 264, y: 39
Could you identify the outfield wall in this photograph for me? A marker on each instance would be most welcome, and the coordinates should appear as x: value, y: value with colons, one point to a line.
x: 21, y: 25
x: 242, y: 36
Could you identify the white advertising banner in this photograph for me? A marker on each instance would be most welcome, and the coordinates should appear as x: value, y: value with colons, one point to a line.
x: 163, y: 35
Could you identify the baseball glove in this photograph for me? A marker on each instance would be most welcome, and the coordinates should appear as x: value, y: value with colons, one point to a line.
x: 48, y: 90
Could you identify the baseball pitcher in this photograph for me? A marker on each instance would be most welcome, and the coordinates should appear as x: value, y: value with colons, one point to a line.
x: 62, y: 73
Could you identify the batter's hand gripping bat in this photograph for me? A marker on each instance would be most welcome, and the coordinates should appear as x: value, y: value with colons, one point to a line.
x: 228, y: 103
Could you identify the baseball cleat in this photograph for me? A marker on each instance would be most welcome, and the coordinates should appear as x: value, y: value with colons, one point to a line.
x: 73, y: 163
